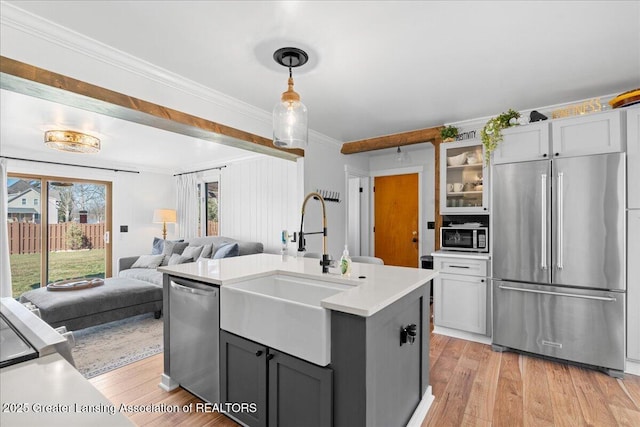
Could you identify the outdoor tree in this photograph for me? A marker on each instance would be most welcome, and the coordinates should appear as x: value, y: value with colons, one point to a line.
x: 65, y: 204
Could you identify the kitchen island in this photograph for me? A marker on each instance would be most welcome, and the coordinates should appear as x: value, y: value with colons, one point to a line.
x: 373, y: 328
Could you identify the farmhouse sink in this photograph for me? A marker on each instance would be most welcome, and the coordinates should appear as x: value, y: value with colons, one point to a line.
x: 282, y: 312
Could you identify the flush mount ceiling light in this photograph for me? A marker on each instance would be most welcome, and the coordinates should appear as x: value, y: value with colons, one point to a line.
x: 290, y: 122
x: 71, y: 141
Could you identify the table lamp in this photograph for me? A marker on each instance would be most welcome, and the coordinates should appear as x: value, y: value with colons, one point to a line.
x: 164, y: 216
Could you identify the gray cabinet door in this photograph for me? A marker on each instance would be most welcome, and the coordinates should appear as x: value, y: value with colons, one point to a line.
x: 300, y: 393
x: 243, y: 377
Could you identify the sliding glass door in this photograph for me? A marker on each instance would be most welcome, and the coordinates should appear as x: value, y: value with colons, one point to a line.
x: 59, y: 230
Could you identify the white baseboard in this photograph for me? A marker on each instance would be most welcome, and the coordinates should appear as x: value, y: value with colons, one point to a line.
x: 469, y: 336
x: 167, y: 384
x: 421, y: 411
x: 632, y: 368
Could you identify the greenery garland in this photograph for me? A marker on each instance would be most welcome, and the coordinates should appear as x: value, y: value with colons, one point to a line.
x: 491, y: 133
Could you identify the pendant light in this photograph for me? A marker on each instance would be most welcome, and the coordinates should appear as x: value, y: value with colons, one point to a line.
x: 401, y: 156
x: 290, y: 121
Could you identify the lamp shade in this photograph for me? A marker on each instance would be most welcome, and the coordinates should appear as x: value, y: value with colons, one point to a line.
x: 164, y: 215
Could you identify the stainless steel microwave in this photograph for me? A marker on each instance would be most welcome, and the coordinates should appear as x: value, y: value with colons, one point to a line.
x: 465, y: 239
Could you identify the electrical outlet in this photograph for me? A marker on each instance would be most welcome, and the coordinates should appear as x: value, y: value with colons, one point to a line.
x: 124, y: 228
x: 431, y: 225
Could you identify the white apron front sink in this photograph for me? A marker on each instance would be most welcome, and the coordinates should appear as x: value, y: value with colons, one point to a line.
x: 282, y: 312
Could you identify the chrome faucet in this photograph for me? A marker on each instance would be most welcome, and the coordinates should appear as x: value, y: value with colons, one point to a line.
x: 325, y: 255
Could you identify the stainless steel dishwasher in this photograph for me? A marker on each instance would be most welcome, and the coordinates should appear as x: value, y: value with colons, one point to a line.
x: 194, y: 324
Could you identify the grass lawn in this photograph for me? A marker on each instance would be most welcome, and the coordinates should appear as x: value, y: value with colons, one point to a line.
x: 25, y: 268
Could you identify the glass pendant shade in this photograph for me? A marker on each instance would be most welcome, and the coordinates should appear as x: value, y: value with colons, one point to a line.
x: 290, y: 121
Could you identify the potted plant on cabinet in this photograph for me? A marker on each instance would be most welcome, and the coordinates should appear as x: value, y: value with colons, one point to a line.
x: 448, y: 133
x: 491, y: 133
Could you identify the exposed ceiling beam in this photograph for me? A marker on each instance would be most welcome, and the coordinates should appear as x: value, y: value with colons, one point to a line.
x: 29, y: 80
x: 391, y: 141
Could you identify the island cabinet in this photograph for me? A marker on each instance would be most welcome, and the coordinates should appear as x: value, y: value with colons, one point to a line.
x: 286, y: 391
x: 460, y: 296
x: 380, y: 372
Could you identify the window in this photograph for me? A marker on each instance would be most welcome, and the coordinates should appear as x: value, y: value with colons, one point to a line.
x: 35, y: 202
x: 211, y: 198
x: 24, y: 202
x: 208, y: 208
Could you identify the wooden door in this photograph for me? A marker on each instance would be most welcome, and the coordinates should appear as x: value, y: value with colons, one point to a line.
x: 396, y: 219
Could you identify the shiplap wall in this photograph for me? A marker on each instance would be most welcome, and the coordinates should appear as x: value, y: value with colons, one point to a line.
x: 258, y: 199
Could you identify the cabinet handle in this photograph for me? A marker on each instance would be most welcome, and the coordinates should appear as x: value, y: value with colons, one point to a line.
x: 259, y: 353
x: 544, y: 155
x: 459, y: 266
x: 557, y: 154
x: 269, y: 356
x: 481, y: 280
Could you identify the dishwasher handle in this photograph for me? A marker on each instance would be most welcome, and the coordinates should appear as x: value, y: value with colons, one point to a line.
x: 195, y: 291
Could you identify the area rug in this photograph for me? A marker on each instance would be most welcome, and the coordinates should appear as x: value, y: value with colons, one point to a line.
x: 102, y: 348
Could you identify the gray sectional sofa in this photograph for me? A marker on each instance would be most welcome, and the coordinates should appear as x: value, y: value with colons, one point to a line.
x: 151, y: 275
x: 135, y: 290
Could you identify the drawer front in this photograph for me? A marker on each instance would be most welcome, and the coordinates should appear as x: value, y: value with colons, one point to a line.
x: 464, y: 266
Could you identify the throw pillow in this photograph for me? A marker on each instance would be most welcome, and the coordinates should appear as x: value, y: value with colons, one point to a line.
x: 171, y: 248
x: 227, y: 251
x: 158, y: 246
x: 206, y: 251
x: 192, y: 251
x: 179, y: 259
x: 148, y: 261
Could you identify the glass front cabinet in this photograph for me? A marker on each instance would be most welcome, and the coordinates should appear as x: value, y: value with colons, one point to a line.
x: 464, y: 187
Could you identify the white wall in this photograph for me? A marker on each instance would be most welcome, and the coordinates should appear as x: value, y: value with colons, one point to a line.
x: 258, y: 199
x: 134, y: 196
x: 324, y: 169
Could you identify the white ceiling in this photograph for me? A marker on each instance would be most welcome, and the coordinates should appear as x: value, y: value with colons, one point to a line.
x: 376, y: 67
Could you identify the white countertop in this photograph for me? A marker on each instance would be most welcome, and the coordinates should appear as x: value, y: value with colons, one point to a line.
x: 48, y: 391
x: 379, y: 286
x: 458, y: 254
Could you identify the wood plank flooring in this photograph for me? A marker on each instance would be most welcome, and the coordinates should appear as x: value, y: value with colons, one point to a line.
x: 472, y: 385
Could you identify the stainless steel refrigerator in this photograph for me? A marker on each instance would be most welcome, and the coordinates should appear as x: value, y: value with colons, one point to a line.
x: 559, y: 259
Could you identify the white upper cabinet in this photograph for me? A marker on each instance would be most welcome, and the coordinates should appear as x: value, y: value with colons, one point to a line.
x: 633, y: 158
x: 596, y: 133
x: 463, y: 178
x: 523, y: 143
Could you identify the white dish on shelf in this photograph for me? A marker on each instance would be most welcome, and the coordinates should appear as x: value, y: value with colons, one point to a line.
x: 473, y: 160
x: 457, y: 160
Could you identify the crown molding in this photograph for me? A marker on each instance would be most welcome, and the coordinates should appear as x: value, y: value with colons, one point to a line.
x: 41, y: 28
x: 36, y: 26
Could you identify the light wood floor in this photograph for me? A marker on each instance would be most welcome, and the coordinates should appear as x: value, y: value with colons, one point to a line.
x: 472, y: 385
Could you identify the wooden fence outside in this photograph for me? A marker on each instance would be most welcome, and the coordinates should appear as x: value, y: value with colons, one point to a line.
x: 25, y: 237
x: 212, y: 228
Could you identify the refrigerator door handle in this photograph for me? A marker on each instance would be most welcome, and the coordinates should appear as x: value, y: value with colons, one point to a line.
x: 560, y: 219
x: 543, y: 222
x: 560, y: 294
